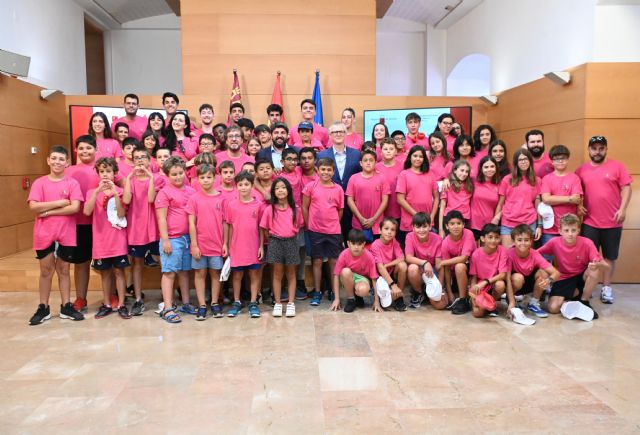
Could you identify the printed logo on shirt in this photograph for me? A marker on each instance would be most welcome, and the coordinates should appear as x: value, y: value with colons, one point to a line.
x: 254, y: 213
x: 378, y: 188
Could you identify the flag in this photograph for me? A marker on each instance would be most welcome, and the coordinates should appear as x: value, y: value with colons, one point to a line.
x: 235, y: 93
x: 276, y: 98
x: 317, y: 98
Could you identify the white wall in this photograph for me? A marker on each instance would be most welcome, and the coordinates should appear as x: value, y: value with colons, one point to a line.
x: 617, y: 34
x: 436, y: 61
x: 144, y: 57
x: 52, y: 34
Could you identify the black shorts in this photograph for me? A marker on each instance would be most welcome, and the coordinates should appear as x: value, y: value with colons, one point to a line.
x: 84, y: 244
x: 283, y: 251
x: 566, y: 288
x: 119, y: 262
x: 529, y: 284
x: 64, y: 253
x: 607, y: 239
x: 325, y: 245
x: 141, y: 251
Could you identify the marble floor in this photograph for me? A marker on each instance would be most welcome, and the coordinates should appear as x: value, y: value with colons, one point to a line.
x: 321, y: 372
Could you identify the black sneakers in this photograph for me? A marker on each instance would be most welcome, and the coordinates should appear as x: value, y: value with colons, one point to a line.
x: 399, y: 304
x: 359, y: 301
x: 123, y: 312
x: 350, y: 305
x: 138, y: 308
x: 68, y: 312
x: 103, y: 311
x: 461, y: 306
x: 588, y: 304
x: 42, y: 313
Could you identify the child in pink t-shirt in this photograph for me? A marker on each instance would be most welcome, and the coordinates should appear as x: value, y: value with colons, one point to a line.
x: 356, y: 269
x: 390, y: 261
x: 150, y: 142
x: 308, y: 165
x: 206, y: 213
x: 485, y: 196
x: 439, y: 159
x: 109, y: 236
x: 322, y: 208
x: 204, y: 158
x: 458, y: 195
x: 424, y: 257
x: 161, y: 156
x: 489, y: 266
x: 280, y: 223
x: 456, y: 250
x: 55, y: 199
x: 579, y: 264
x: 243, y: 242
x: 367, y: 195
x: 141, y: 187
x: 390, y: 168
x: 173, y: 226
x: 125, y: 164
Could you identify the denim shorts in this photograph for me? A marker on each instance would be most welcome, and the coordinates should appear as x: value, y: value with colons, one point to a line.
x: 247, y: 267
x: 506, y: 231
x: 207, y: 262
x: 180, y: 257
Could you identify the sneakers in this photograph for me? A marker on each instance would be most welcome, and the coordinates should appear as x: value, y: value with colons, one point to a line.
x: 123, y: 312
x: 103, y: 311
x: 461, y: 306
x: 254, y: 310
x: 235, y: 309
x: 291, y: 310
x: 277, y: 310
x: 202, y: 313
x: 350, y: 305
x: 80, y: 304
x: 138, y: 308
x: 588, y: 304
x: 68, y: 312
x: 301, y: 291
x: 316, y: 298
x: 399, y: 304
x: 359, y: 301
x: 188, y: 309
x: 452, y: 304
x: 216, y: 311
x: 606, y: 295
x: 416, y: 299
x: 534, y: 307
x: 42, y: 313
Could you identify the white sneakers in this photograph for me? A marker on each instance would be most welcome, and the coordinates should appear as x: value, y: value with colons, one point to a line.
x: 290, y: 312
x: 606, y: 295
x: 577, y: 310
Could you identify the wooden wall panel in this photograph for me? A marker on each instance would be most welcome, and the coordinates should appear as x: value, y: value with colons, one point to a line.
x: 279, y: 8
x: 621, y: 138
x: 16, y: 144
x: 627, y: 269
x: 612, y: 91
x: 16, y: 197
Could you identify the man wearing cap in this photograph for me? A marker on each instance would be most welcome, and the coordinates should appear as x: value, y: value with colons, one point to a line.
x: 305, y: 132
x: 308, y: 111
x: 607, y: 192
x: 280, y: 136
x: 542, y: 164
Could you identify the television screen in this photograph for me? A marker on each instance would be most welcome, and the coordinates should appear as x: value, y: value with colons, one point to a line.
x: 394, y: 118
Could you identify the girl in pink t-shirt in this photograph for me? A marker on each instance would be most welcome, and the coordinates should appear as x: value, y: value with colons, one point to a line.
x: 390, y: 262
x: 390, y: 167
x: 485, y: 196
x: 519, y: 198
x: 439, y: 159
x: 106, y: 145
x: 253, y: 147
x: 150, y: 142
x: 178, y: 138
x: 482, y: 138
x: 463, y: 150
x: 458, y: 196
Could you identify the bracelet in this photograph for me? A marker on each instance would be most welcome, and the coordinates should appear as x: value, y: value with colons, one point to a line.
x: 424, y: 264
x: 392, y: 283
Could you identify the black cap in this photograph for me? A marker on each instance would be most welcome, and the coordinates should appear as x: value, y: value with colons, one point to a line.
x: 598, y: 139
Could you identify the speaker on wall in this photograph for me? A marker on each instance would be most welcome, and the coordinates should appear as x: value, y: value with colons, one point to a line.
x: 14, y: 64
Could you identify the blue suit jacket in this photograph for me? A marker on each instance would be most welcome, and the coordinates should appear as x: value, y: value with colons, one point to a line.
x: 352, y: 166
x: 266, y: 153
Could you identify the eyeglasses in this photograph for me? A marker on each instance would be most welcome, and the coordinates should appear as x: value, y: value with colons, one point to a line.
x: 338, y: 132
x: 136, y: 158
x: 447, y: 123
x: 291, y: 159
x: 234, y: 136
x: 560, y: 159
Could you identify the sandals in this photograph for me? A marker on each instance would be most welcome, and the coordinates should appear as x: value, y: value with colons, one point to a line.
x: 171, y: 316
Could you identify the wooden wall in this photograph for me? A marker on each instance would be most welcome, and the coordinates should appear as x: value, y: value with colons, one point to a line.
x: 25, y: 121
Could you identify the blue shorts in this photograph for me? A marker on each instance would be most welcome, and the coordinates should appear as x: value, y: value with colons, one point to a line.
x: 325, y: 245
x: 506, y: 231
x: 247, y: 267
x: 180, y: 257
x: 140, y: 251
x: 207, y: 262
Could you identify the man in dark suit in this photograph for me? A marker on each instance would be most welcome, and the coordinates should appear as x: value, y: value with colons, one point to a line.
x: 280, y: 136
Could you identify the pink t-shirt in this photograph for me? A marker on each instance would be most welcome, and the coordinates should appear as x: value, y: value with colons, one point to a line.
x: 137, y: 127
x: 543, y: 166
x: 527, y: 265
x: 354, y: 140
x: 422, y: 139
x: 367, y: 193
x: 419, y: 190
x: 460, y: 201
x: 142, y: 225
x: 519, y: 203
x: 561, y: 186
x: 454, y: 248
x: 244, y: 218
x: 482, y: 152
x: 363, y: 264
x: 384, y: 254
x: 486, y: 266
x: 306, y: 179
x: 237, y: 161
x: 153, y: 166
x: 281, y: 225
x: 571, y: 260
x: 324, y: 207
x: 440, y: 168
x: 188, y: 150
x: 315, y: 143
x: 87, y: 178
x: 320, y: 133
x: 602, y: 198
x: 108, y: 148
x: 390, y: 174
x: 108, y: 241
x: 199, y: 132
x: 428, y: 251
x: 124, y: 168
x: 175, y: 200
x: 483, y: 204
x: 295, y: 179
x: 209, y: 212
x: 61, y: 229
x: 450, y: 141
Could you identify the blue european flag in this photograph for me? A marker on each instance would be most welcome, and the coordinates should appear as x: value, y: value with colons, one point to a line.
x: 317, y: 98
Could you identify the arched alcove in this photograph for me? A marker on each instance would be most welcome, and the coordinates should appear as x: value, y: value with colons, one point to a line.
x: 470, y: 77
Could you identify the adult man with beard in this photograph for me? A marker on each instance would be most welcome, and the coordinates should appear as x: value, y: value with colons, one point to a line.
x: 206, y: 118
x: 607, y: 192
x: 280, y: 137
x: 535, y: 144
x: 137, y: 124
x: 234, y: 152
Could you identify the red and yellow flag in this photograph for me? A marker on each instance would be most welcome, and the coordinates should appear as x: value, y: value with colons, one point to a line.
x: 276, y: 98
x: 236, y: 97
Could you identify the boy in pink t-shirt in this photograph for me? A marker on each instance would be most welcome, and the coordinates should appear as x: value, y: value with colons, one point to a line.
x: 173, y: 226
x: 125, y: 164
x: 414, y: 136
x: 322, y: 208
x: 456, y: 250
x: 308, y: 166
x: 390, y: 167
x: 141, y: 187
x: 579, y: 264
x: 227, y: 185
x: 489, y: 266
x: 55, y: 199
x: 109, y: 235
x: 243, y: 242
x: 206, y: 212
x: 356, y: 269
x: 390, y: 262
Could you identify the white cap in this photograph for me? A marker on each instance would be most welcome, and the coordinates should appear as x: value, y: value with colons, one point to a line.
x: 519, y: 317
x: 546, y: 212
x: 112, y: 215
x: 432, y: 287
x: 384, y: 292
